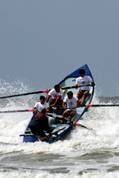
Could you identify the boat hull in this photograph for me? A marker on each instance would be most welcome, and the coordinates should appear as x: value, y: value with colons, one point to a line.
x: 59, y: 133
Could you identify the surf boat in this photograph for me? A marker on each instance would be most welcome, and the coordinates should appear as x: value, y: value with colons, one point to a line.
x: 59, y: 131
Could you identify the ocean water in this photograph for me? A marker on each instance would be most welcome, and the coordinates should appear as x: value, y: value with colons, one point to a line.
x: 84, y: 154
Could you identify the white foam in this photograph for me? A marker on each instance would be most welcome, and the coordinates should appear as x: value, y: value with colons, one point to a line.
x: 44, y: 174
x: 104, y: 121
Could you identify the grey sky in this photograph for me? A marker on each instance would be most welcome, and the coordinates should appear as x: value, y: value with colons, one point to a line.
x: 41, y: 41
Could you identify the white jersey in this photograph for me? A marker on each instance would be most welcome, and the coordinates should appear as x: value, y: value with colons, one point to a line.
x: 71, y: 103
x: 84, y: 81
x: 54, y: 94
x: 40, y: 106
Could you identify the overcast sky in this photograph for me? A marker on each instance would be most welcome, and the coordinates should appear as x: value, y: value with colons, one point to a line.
x: 41, y: 41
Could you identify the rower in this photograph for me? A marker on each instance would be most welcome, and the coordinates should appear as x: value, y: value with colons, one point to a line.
x: 70, y: 103
x: 39, y: 125
x: 55, y: 99
x: 41, y: 104
x: 84, y: 90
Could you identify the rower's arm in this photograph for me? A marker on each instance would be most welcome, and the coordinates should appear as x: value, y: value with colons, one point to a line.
x: 48, y: 97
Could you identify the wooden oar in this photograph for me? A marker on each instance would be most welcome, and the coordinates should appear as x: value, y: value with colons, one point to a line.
x: 96, y: 106
x: 24, y: 94
x: 32, y: 93
x: 93, y: 106
x: 52, y: 114
x: 74, y: 86
x: 85, y: 127
x: 49, y: 114
x: 100, y: 105
x: 17, y: 110
x: 38, y: 92
x: 88, y: 106
x: 76, y: 124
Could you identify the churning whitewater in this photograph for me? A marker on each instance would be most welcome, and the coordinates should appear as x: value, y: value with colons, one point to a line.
x: 85, y: 153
